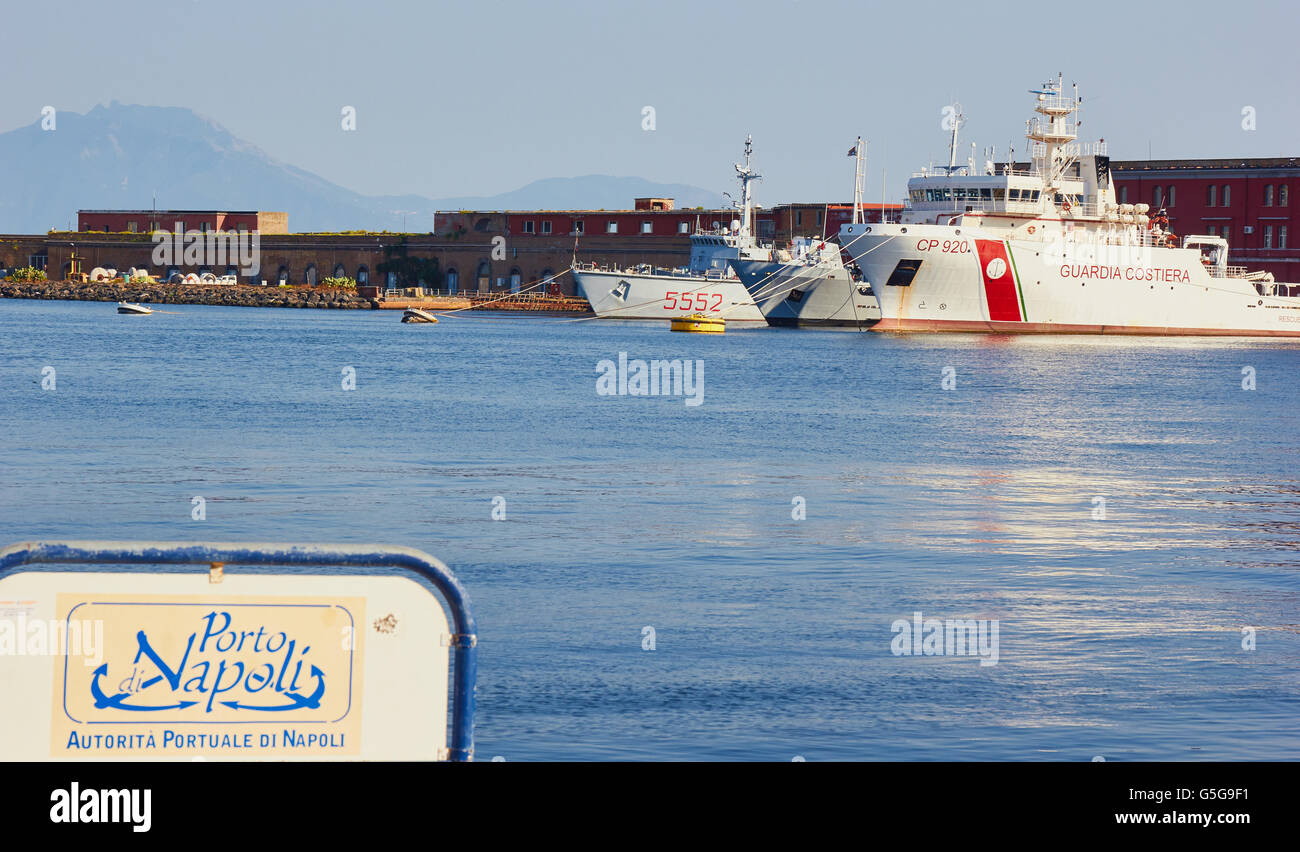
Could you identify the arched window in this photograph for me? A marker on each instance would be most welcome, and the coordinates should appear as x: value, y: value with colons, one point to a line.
x: 484, y: 275
x: 1268, y: 195
x: 1227, y: 195
x: 1157, y: 197
x: 309, y: 275
x: 453, y: 280
x: 1211, y: 195
x: 1123, y: 195
x: 1282, y: 196
x: 282, y: 276
x: 516, y: 278
x: 1169, y: 202
x: 363, y: 276
x: 340, y: 271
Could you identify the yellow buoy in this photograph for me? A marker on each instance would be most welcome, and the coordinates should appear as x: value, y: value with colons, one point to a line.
x: 699, y: 323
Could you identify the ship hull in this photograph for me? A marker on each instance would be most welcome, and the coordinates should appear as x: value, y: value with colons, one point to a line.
x: 807, y: 296
x: 934, y: 278
x: 640, y: 296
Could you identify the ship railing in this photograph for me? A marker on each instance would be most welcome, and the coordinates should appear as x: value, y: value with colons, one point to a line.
x: 959, y: 206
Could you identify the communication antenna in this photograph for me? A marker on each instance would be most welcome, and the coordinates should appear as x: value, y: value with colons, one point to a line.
x: 859, y: 153
x: 958, y: 119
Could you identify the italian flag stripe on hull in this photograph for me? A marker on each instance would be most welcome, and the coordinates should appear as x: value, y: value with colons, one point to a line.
x: 1001, y: 287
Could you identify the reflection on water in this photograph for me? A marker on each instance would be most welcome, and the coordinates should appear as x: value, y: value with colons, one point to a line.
x: 1121, y: 635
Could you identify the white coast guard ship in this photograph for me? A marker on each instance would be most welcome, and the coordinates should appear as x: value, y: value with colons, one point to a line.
x: 708, y: 286
x: 1048, y: 249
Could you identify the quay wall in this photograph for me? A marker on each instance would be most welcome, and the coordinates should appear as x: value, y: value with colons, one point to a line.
x: 185, y: 294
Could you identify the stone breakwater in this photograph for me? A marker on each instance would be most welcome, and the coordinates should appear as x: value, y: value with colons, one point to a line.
x: 185, y: 294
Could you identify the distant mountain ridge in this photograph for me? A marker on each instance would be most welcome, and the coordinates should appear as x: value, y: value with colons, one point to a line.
x: 116, y: 156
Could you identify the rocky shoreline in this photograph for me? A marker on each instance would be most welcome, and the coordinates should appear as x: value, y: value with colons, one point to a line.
x: 186, y: 294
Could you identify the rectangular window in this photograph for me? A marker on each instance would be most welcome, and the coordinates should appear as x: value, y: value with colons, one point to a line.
x: 647, y: 228
x: 685, y: 227
x: 798, y: 218
x: 611, y: 227
x: 1268, y: 236
x: 203, y: 227
x: 132, y: 227
x: 546, y: 226
x: 1123, y: 195
x: 1281, y: 236
x: 903, y: 273
x: 578, y: 227
x: 819, y: 218
x: 528, y: 226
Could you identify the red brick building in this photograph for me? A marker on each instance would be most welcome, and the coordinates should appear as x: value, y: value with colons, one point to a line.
x: 784, y: 222
x: 1246, y: 201
x: 148, y: 221
x: 657, y: 217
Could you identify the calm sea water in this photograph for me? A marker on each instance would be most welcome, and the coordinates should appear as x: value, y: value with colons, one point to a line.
x: 1120, y: 637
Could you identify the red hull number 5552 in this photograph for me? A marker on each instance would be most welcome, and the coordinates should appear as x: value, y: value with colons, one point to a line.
x: 692, y: 301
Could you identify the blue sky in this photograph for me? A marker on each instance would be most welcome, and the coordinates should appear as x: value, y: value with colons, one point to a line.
x: 482, y: 97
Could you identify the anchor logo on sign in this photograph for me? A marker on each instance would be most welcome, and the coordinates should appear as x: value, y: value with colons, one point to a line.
x: 201, y: 675
x: 996, y: 269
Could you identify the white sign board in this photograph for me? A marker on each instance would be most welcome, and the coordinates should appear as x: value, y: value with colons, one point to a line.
x: 169, y: 666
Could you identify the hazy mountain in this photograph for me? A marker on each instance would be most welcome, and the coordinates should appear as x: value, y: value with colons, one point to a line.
x: 116, y: 156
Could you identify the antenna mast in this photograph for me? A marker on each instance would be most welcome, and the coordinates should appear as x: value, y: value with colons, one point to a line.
x: 859, y: 175
x: 746, y: 175
x: 957, y: 121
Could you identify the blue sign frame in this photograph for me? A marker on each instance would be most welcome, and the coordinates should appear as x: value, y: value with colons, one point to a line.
x: 371, y: 559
